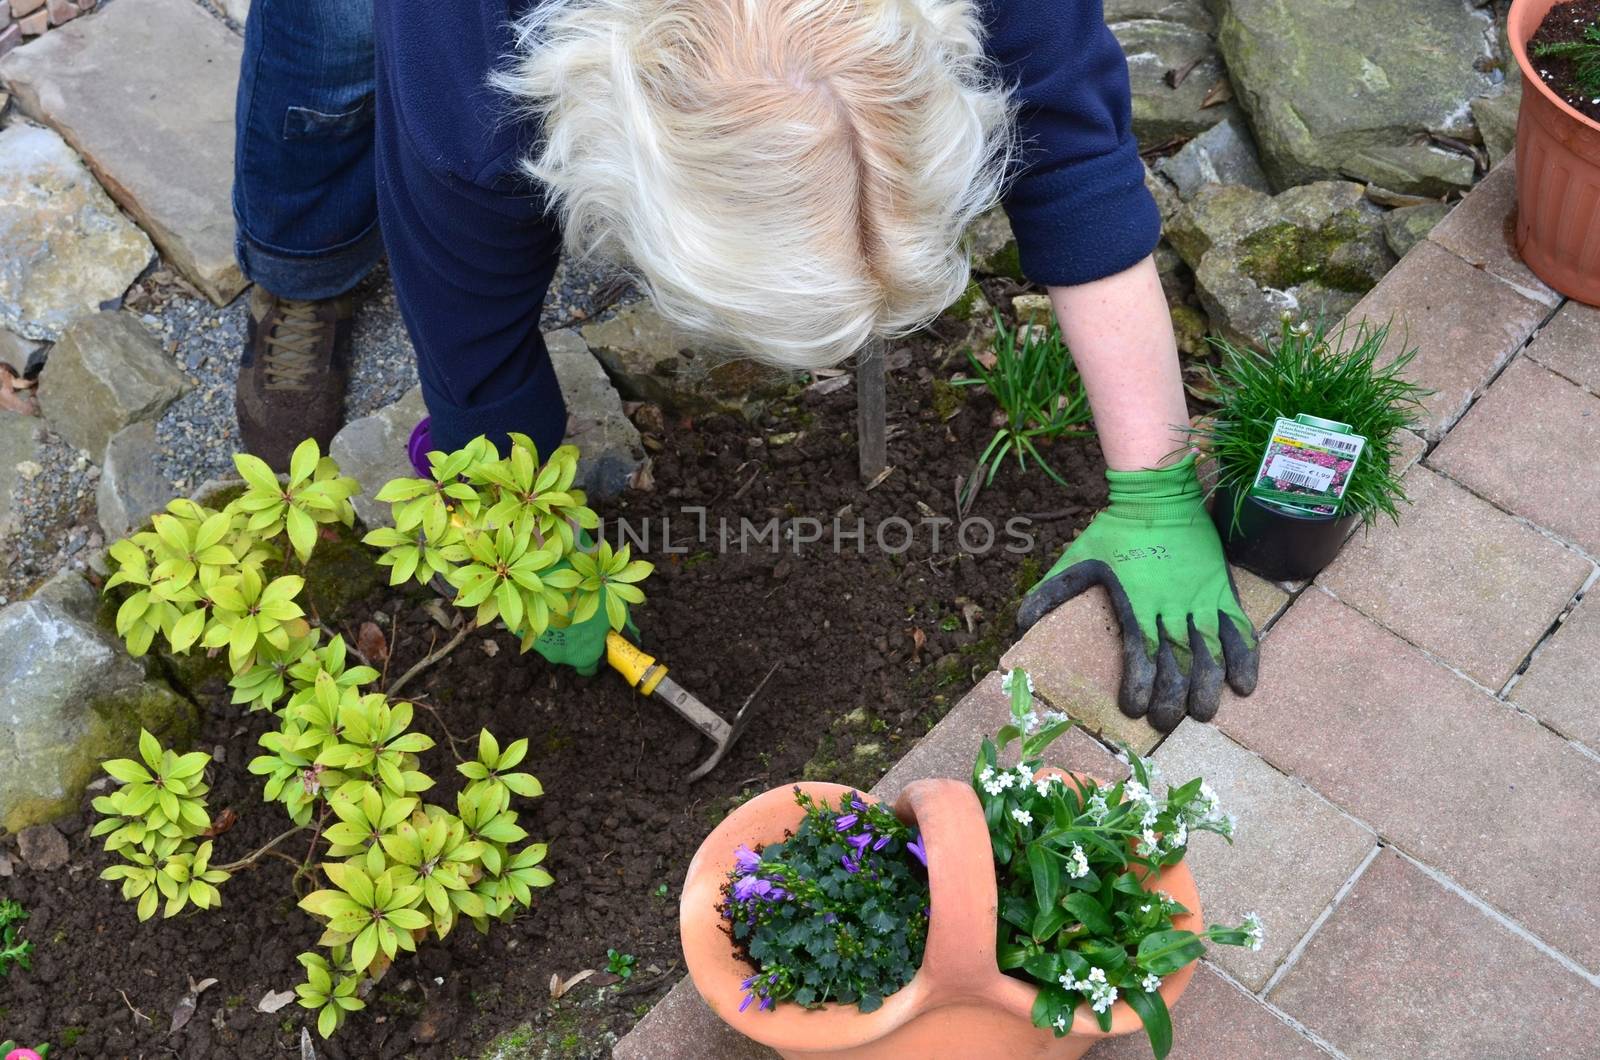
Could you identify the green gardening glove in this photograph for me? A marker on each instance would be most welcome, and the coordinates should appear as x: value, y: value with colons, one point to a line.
x: 583, y: 644
x: 1157, y: 554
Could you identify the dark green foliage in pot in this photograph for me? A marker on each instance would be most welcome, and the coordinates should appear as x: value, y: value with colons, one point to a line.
x: 838, y: 912
x: 1343, y: 376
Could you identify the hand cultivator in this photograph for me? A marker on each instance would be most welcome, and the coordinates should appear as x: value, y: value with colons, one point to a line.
x: 642, y: 672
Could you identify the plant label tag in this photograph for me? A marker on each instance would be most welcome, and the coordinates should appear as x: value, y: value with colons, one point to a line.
x: 1307, y: 464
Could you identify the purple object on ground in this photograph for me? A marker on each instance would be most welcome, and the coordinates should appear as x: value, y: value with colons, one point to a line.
x: 419, y: 446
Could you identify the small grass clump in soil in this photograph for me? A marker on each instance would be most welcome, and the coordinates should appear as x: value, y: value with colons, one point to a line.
x: 1565, y: 50
x: 870, y: 647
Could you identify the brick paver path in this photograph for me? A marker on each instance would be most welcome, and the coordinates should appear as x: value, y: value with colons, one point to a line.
x: 1417, y: 779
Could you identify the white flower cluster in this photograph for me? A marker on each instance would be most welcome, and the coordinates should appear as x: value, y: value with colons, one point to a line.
x: 1151, y: 983
x: 1252, y: 927
x: 1205, y: 811
x: 1101, y: 994
x: 1077, y: 863
x: 1023, y: 817
x: 1008, y: 682
x: 996, y: 781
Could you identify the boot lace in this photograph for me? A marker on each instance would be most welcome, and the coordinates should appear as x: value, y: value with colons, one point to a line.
x: 293, y: 346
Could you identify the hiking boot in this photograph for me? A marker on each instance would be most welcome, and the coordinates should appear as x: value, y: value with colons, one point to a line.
x: 293, y: 374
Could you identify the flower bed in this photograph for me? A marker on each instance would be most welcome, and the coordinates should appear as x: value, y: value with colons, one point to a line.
x: 862, y: 642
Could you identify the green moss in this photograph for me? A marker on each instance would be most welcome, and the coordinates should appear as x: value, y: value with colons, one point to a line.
x: 849, y: 753
x: 70, y: 1036
x: 1284, y: 255
x: 946, y: 399
x: 963, y: 308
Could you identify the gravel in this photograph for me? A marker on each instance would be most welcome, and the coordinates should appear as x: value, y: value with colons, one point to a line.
x: 198, y: 435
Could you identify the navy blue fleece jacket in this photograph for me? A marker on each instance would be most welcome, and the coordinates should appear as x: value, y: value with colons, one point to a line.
x: 472, y: 251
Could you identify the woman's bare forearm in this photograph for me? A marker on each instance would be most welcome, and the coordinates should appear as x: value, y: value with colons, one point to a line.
x: 1120, y: 332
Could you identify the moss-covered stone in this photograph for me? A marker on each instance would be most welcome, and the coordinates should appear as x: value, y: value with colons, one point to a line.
x: 1310, y: 251
x: 71, y: 698
x: 1345, y: 90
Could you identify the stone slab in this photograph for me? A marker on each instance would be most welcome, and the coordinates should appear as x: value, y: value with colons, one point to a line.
x: 1291, y: 850
x: 1341, y: 90
x: 132, y: 487
x: 1482, y: 601
x: 1562, y: 684
x: 1570, y: 345
x: 1464, y: 323
x: 1223, y: 154
x: 372, y: 450
x: 681, y: 1027
x: 1481, y: 231
x: 1528, y: 446
x: 1435, y: 765
x: 1075, y: 656
x: 650, y: 360
x: 145, y: 92
x: 606, y: 439
x: 1406, y: 968
x: 105, y: 373
x: 65, y: 249
x: 950, y: 748
x: 1215, y: 1020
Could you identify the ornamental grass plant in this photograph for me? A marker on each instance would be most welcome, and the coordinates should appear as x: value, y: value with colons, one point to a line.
x: 1342, y: 376
x: 1031, y: 377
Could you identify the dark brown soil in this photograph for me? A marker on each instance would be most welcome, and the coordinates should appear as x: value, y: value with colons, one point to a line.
x: 1566, y: 22
x: 870, y: 649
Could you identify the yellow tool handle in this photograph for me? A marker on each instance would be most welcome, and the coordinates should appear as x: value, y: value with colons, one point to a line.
x: 640, y: 670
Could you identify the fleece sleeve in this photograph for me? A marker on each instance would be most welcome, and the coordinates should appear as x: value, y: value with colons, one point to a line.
x: 1076, y: 198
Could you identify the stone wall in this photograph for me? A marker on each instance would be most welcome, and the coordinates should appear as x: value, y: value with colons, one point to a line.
x: 22, y: 20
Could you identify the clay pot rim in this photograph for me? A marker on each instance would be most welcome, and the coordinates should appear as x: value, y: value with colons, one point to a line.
x: 1530, y: 76
x: 839, y: 1026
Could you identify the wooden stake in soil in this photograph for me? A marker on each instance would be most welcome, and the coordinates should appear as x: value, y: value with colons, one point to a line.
x: 872, y: 411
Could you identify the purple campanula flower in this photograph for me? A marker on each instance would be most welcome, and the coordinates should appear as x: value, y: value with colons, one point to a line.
x: 746, y: 859
x: 766, y: 1003
x: 746, y: 1002
x: 845, y: 823
x: 849, y: 866
x: 882, y: 842
x: 918, y: 851
x: 860, y: 842
x: 744, y: 888
x: 748, y: 982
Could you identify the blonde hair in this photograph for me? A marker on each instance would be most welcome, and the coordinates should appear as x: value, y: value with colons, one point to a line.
x: 785, y: 178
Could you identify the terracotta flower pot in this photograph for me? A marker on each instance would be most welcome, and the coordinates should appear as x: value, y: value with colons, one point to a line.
x: 1558, y: 174
x: 959, y: 1005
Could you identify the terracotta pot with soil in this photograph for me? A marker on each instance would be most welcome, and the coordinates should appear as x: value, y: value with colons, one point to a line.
x: 1558, y: 156
x: 959, y: 1005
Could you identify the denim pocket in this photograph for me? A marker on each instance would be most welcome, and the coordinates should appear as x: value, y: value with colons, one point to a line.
x: 304, y: 123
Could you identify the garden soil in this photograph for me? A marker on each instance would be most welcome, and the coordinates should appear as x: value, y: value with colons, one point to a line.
x: 1566, y: 22
x: 866, y: 651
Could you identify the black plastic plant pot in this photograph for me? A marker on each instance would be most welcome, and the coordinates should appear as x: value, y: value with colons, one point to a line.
x: 1276, y: 544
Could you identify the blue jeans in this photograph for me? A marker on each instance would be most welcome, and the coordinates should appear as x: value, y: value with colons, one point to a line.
x: 303, y: 193
x: 347, y: 114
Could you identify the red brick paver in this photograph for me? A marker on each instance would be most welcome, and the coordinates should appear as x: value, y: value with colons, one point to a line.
x: 1075, y: 657
x: 1464, y: 323
x: 1290, y: 854
x: 1530, y: 447
x: 1481, y: 232
x: 1215, y: 1020
x: 1562, y: 685
x: 1459, y: 577
x: 1570, y: 345
x: 1406, y: 968
x: 1437, y: 766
